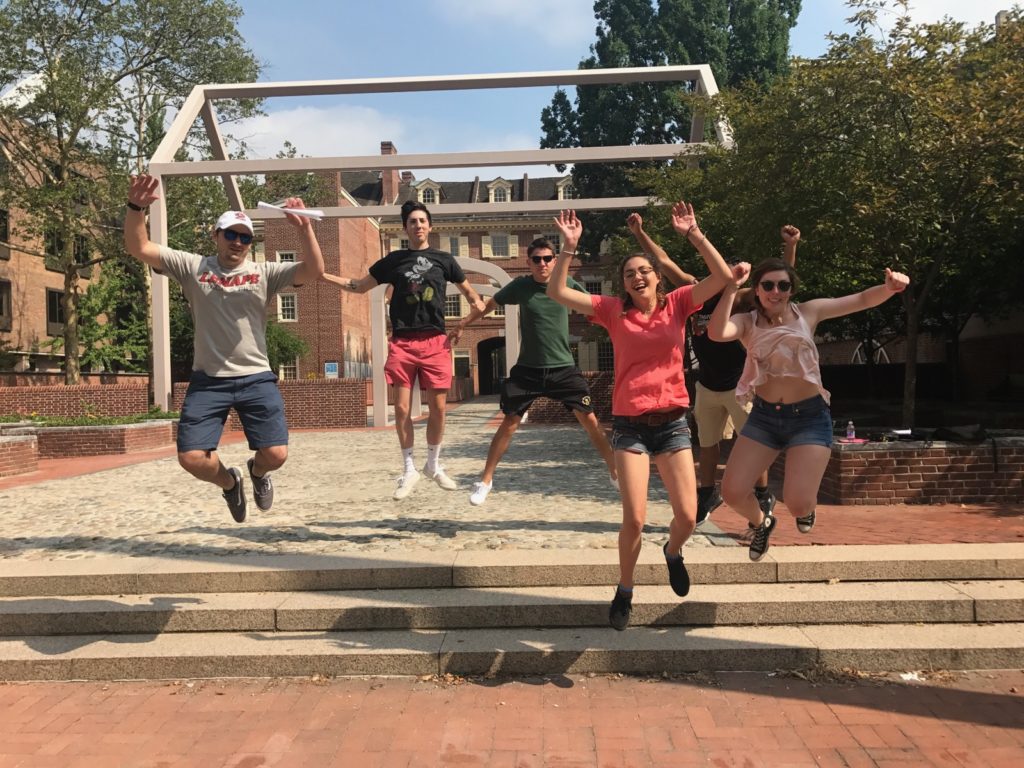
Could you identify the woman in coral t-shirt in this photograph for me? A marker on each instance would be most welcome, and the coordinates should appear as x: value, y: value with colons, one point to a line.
x: 649, y: 399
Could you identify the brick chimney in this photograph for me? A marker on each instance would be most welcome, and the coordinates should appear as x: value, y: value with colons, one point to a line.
x: 389, y: 177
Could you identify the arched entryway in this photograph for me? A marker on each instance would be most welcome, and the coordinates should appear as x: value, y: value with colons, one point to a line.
x: 490, y: 355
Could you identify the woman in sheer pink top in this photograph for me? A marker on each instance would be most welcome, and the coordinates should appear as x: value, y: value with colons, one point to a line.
x: 783, y: 379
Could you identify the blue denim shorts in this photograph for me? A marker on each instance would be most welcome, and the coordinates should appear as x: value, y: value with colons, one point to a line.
x: 640, y: 438
x: 255, y: 398
x: 781, y: 426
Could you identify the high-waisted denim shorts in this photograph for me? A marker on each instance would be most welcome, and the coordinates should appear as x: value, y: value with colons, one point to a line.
x: 784, y: 425
x: 640, y: 438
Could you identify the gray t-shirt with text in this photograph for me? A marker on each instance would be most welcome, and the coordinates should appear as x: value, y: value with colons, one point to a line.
x: 229, y: 309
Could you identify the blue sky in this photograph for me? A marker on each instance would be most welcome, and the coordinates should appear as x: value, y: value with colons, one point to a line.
x: 314, y: 39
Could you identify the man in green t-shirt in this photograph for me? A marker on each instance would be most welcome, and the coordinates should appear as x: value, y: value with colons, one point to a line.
x: 545, y: 367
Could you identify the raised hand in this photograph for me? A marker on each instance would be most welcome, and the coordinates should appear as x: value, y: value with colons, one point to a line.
x: 143, y: 190
x: 683, y: 218
x: 896, y: 282
x: 570, y: 228
x: 635, y: 223
x: 299, y: 222
x: 740, y: 273
x: 790, y: 234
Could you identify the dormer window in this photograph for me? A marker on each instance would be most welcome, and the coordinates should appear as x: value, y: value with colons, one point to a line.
x: 566, y: 191
x: 429, y: 196
x: 499, y: 191
x: 428, y: 192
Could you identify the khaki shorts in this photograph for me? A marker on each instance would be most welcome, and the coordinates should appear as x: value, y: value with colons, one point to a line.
x: 717, y: 414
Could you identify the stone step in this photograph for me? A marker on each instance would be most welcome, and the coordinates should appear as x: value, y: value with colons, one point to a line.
x: 498, y: 607
x: 525, y: 651
x: 500, y: 568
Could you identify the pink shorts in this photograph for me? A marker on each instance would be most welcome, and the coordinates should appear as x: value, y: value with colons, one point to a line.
x: 426, y: 352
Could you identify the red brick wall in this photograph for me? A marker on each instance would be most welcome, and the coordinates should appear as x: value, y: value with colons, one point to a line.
x: 17, y: 455
x: 544, y: 411
x: 310, y: 403
x: 63, y: 442
x: 63, y: 400
x: 921, y: 473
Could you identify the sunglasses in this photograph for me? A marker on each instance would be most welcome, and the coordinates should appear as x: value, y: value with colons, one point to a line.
x: 629, y: 274
x: 539, y: 259
x: 230, y: 235
x: 769, y: 285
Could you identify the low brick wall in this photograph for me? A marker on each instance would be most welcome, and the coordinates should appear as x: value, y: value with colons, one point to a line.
x: 544, y: 411
x: 310, y: 403
x: 63, y: 400
x: 921, y: 473
x: 18, y: 455
x: 101, y: 440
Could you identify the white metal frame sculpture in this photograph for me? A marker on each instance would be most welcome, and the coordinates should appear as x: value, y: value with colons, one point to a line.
x: 200, y: 103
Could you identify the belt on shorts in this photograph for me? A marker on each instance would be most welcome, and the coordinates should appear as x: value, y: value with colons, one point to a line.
x: 656, y: 418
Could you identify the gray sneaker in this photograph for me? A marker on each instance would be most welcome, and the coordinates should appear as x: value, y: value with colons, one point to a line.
x: 236, y: 496
x: 262, y: 488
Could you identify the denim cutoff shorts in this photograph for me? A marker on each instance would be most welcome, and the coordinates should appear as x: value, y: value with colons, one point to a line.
x: 784, y: 425
x: 640, y: 438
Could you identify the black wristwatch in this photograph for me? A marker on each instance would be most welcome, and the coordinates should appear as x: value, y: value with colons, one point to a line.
x: 134, y: 207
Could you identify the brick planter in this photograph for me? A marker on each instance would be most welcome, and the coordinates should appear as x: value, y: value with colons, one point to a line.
x: 17, y: 455
x: 100, y: 440
x: 921, y: 472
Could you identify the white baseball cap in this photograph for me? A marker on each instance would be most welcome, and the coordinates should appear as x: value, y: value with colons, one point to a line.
x: 230, y: 219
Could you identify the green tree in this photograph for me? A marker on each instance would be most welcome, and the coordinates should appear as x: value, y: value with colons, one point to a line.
x: 100, y: 73
x: 283, y: 346
x: 903, y: 150
x: 741, y: 39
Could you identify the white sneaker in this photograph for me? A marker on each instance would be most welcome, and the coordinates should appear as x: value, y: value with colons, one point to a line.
x: 441, y: 478
x: 406, y: 483
x: 479, y: 494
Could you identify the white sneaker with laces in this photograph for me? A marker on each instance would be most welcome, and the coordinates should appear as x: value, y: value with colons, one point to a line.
x: 441, y: 478
x: 479, y: 494
x: 406, y: 482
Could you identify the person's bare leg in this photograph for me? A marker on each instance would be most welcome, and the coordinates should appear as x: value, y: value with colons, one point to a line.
x: 805, y: 466
x: 206, y: 466
x: 748, y: 461
x: 708, y: 466
x: 598, y: 439
x: 499, y: 444
x: 403, y: 417
x: 676, y: 470
x: 634, y: 475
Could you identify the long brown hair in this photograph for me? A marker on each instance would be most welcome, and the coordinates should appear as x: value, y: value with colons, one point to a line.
x: 627, y: 300
x: 766, y: 266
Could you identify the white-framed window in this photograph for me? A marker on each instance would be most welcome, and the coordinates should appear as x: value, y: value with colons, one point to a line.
x: 499, y: 191
x: 452, y: 305
x: 287, y: 307
x: 289, y: 371
x: 461, y: 367
x: 429, y: 196
x: 403, y: 243
x: 555, y: 240
x: 593, y: 287
x: 54, y: 312
x: 499, y: 311
x: 500, y: 195
x: 286, y: 257
x: 605, y: 356
x: 566, y: 191
x: 453, y: 246
x: 499, y: 245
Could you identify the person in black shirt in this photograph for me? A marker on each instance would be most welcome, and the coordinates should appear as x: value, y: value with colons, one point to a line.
x: 419, y: 277
x: 719, y: 366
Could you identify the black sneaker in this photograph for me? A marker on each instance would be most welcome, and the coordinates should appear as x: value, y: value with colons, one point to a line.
x: 262, y: 488
x: 759, y: 544
x: 708, y: 500
x: 766, y: 500
x: 805, y: 523
x: 618, y: 614
x: 677, y: 575
x: 236, y: 496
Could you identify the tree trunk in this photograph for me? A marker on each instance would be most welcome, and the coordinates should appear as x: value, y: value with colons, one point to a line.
x: 72, y: 362
x: 910, y: 367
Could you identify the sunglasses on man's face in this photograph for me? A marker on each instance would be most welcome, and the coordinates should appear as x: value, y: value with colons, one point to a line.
x: 539, y: 259
x: 230, y: 235
x: 769, y: 285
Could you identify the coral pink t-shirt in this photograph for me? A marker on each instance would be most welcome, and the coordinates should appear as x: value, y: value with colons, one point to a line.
x: 648, y: 352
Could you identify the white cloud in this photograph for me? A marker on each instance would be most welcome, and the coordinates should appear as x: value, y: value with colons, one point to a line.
x: 569, y: 23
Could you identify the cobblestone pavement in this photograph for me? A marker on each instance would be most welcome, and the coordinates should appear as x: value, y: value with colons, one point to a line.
x: 334, y: 495
x: 719, y: 719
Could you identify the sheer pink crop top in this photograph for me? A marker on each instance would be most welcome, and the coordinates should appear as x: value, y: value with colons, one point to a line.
x: 782, y: 350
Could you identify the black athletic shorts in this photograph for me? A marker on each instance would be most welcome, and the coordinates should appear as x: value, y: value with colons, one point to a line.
x: 525, y: 384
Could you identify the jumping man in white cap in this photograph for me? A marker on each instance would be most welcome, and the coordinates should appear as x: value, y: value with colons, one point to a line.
x: 228, y: 296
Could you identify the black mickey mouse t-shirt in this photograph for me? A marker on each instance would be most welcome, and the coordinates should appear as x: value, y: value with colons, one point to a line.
x: 420, y: 280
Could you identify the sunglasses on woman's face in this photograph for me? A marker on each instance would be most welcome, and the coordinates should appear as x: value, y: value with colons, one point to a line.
x: 230, y: 235
x: 769, y: 285
x: 539, y: 259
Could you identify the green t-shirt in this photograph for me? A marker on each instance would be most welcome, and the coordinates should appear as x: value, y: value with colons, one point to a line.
x: 544, y: 323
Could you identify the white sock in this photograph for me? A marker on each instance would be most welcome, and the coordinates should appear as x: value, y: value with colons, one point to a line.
x: 433, y: 454
x: 407, y: 461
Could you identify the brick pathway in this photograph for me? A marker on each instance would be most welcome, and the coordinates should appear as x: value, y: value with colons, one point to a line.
x: 739, y: 719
